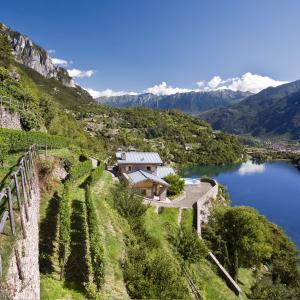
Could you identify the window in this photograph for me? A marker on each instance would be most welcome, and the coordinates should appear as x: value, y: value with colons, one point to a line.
x: 129, y: 168
x: 148, y: 168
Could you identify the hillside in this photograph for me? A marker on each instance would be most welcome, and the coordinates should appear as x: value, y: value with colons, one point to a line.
x: 57, y: 109
x: 272, y: 112
x: 192, y: 102
x: 179, y: 138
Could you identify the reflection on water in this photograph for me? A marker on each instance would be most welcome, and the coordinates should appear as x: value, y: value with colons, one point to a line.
x: 272, y: 188
x: 251, y: 168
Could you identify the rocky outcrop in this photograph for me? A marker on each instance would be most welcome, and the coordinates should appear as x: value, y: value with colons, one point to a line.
x: 33, y: 56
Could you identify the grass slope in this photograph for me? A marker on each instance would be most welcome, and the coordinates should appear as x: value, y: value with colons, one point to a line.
x: 113, y: 230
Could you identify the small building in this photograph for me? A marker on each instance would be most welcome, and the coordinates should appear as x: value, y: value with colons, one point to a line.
x: 144, y: 171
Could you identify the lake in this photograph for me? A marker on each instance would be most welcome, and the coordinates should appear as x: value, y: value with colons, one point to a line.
x: 272, y: 188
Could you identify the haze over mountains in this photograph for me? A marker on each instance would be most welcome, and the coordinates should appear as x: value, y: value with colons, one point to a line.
x: 191, y: 102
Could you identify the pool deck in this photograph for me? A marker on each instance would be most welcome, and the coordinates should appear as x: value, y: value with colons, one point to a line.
x: 192, y: 193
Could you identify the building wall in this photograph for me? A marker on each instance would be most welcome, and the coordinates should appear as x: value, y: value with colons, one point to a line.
x: 136, y: 167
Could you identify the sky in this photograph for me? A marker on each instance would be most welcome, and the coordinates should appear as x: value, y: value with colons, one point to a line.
x: 112, y: 47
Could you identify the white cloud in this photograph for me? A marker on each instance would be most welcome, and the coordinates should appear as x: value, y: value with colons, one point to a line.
x: 108, y: 93
x: 215, y: 82
x: 249, y: 167
x: 248, y: 82
x: 164, y: 89
x: 59, y: 62
x: 78, y: 73
x: 51, y: 51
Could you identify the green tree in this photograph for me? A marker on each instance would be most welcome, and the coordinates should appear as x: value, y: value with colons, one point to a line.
x: 5, y: 51
x: 245, y: 232
x: 176, y: 184
x: 190, y: 247
x: 128, y: 203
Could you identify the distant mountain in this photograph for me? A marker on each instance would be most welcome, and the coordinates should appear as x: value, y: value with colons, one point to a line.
x: 273, y: 111
x: 33, y: 56
x: 192, y: 102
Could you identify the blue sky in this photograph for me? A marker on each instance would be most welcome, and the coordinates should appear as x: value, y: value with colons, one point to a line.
x: 132, y: 45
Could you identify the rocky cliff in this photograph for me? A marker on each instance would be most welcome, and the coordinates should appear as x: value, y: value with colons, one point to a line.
x: 33, y: 56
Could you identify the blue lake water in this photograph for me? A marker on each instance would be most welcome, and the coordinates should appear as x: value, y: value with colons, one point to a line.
x: 272, y: 188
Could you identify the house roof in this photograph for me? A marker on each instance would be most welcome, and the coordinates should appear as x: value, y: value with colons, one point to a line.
x: 140, y: 176
x: 163, y: 171
x: 139, y: 158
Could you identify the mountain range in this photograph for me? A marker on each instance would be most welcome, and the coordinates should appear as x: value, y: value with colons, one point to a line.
x: 191, y: 102
x: 274, y: 111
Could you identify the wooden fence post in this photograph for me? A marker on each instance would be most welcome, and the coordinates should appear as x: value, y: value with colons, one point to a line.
x: 26, y: 184
x: 14, y: 175
x: 24, y: 192
x: 27, y: 175
x: 11, y: 212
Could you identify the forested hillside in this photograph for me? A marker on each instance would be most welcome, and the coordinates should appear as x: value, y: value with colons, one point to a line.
x: 272, y: 112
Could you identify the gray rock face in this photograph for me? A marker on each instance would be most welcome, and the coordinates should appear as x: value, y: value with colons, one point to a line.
x: 33, y: 56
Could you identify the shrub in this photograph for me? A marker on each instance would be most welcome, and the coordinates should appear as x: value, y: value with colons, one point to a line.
x: 80, y: 169
x: 64, y: 227
x: 127, y: 203
x: 3, y: 150
x: 96, y: 174
x: 176, y: 184
x: 20, y: 140
x: 189, y: 246
x: 95, y: 241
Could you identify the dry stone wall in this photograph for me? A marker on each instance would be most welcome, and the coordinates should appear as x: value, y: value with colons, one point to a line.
x: 23, y: 277
x: 9, y: 120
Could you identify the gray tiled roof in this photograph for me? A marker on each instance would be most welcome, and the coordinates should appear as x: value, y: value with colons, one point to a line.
x: 162, y: 171
x: 139, y: 158
x: 140, y: 176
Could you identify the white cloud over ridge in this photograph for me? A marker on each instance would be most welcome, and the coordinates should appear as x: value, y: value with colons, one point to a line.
x: 108, y: 93
x: 248, y: 82
x: 164, y: 89
x: 76, y: 73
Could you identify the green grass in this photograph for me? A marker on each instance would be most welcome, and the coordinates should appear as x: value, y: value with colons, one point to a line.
x: 52, y: 288
x: 212, y: 287
x: 158, y: 224
x: 112, y: 229
x: 61, y: 153
x: 10, y: 164
x: 246, y: 279
x: 51, y: 285
x: 187, y: 218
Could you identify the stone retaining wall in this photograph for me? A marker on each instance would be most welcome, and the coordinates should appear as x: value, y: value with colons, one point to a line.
x: 211, y: 194
x: 9, y: 120
x: 23, y: 277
